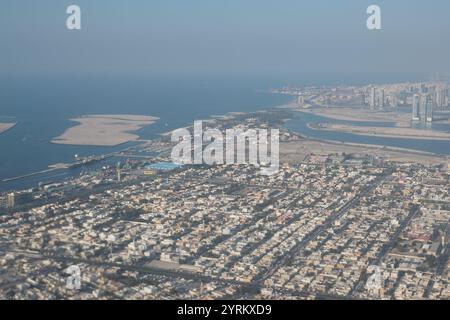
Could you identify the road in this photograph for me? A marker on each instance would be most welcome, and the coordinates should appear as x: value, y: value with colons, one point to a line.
x: 386, y: 248
x: 319, y: 229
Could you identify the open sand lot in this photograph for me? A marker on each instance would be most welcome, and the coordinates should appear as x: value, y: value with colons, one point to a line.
x: 104, y: 130
x: 297, y: 151
x: 407, y: 133
x: 357, y: 114
x: 6, y: 126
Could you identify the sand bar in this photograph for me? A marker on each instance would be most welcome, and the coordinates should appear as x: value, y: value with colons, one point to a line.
x: 362, y: 115
x: 104, y: 130
x: 297, y: 151
x: 6, y: 126
x: 386, y: 132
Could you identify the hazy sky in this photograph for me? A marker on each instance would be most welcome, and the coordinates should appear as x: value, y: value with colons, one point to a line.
x: 225, y: 37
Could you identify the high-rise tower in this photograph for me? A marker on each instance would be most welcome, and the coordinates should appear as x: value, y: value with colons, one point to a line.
x: 381, y: 99
x: 429, y: 109
x: 416, y: 108
x: 372, y: 102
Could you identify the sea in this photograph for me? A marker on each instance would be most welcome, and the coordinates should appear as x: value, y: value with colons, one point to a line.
x: 43, y: 106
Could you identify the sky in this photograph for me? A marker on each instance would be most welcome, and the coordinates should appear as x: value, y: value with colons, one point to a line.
x: 258, y: 38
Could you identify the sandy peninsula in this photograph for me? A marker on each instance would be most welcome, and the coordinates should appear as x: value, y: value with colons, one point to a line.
x: 361, y: 115
x: 386, y: 132
x: 104, y: 130
x: 297, y: 151
x: 6, y: 126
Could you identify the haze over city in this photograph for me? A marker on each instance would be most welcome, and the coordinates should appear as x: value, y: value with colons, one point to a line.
x: 290, y: 40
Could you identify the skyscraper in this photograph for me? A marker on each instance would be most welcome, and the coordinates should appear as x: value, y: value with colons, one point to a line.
x: 446, y: 97
x: 415, y: 108
x: 4, y: 200
x: 423, y: 107
x: 381, y: 99
x: 11, y: 200
x: 372, y: 103
x: 429, y: 109
x: 439, y: 97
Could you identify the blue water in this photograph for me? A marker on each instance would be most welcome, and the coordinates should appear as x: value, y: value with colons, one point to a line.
x: 300, y: 121
x: 43, y: 107
x: 164, y: 166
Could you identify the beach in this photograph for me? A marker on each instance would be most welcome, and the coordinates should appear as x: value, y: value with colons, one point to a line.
x: 297, y: 151
x: 104, y: 130
x: 386, y: 132
x: 6, y: 126
x: 362, y: 115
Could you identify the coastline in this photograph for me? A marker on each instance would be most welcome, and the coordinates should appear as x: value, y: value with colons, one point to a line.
x: 360, y: 115
x: 397, y: 154
x: 376, y: 132
x: 374, y: 148
x: 368, y: 147
x: 295, y: 150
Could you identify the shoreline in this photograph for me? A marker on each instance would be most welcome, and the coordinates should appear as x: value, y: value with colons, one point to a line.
x: 399, y: 153
x: 399, y: 119
x: 5, y: 127
x: 353, y: 130
x: 369, y: 148
x: 373, y: 146
x: 104, y: 130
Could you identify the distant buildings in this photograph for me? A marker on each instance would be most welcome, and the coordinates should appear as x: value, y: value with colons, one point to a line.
x: 372, y: 102
x: 7, y: 200
x: 381, y: 99
x: 377, y: 98
x: 423, y: 108
x: 416, y: 108
x: 14, y: 199
x: 301, y: 101
x: 429, y: 109
x: 3, y: 201
x: 441, y: 97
